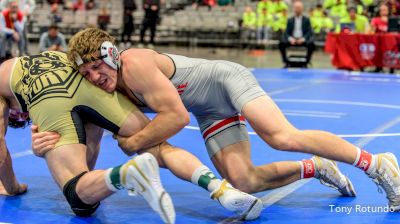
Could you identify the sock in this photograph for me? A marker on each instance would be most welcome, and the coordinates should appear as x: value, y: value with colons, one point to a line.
x: 205, y: 178
x: 364, y: 161
x: 113, y: 179
x: 307, y: 168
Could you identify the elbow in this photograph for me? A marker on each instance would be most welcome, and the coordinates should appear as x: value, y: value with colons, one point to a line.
x: 183, y: 118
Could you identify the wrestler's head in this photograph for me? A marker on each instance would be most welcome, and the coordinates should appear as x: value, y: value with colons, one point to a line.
x: 93, y: 52
x: 18, y: 119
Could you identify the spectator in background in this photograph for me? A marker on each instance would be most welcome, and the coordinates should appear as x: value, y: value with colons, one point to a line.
x: 52, y: 40
x: 263, y: 26
x: 318, y: 11
x: 326, y: 23
x: 298, y: 33
x: 361, y: 23
x: 394, y: 7
x: 277, y: 6
x: 152, y: 9
x: 279, y: 22
x: 249, y: 23
x: 103, y: 19
x: 337, y: 8
x: 379, y: 24
x: 129, y: 23
x: 129, y: 28
x: 263, y: 4
x: 90, y: 4
x: 130, y: 5
x: 12, y: 25
x: 314, y: 20
x: 55, y: 16
x: 27, y: 7
x: 78, y: 5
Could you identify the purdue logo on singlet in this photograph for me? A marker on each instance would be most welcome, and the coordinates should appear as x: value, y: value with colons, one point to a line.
x: 47, y: 75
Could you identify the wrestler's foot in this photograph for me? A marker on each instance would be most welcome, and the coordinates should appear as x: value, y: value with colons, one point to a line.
x: 387, y: 176
x: 141, y: 175
x: 21, y: 189
x: 329, y: 175
x: 245, y: 205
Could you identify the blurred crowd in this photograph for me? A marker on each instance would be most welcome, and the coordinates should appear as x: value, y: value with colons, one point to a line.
x: 367, y: 16
x: 260, y: 21
x: 16, y: 15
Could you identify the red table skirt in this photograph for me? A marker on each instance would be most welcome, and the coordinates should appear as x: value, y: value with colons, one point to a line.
x: 355, y: 51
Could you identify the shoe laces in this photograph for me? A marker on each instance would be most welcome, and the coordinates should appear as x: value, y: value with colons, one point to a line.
x: 383, y: 181
x: 327, y: 179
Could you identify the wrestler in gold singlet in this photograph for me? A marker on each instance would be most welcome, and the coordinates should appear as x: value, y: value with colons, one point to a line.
x: 59, y: 99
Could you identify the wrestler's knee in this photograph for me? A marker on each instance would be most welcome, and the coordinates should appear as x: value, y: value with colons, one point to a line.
x: 245, y: 182
x: 77, y: 205
x: 285, y: 140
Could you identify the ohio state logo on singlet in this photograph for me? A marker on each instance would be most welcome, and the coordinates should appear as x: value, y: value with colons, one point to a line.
x: 181, y: 88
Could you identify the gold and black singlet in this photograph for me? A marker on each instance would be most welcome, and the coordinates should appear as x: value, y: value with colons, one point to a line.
x: 59, y: 99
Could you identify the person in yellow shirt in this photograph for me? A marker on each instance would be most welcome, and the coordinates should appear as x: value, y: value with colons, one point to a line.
x: 263, y: 25
x: 337, y: 8
x: 279, y: 21
x: 318, y: 11
x: 315, y: 21
x: 263, y: 4
x: 361, y: 23
x: 249, y: 23
x: 326, y: 23
x: 277, y: 6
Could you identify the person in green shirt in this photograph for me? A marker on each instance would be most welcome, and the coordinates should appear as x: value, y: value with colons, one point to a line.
x: 249, y: 23
x: 318, y: 11
x: 315, y: 21
x: 361, y: 23
x: 277, y: 6
x: 326, y: 23
x: 279, y: 21
x: 263, y: 25
x: 338, y: 8
x: 263, y: 4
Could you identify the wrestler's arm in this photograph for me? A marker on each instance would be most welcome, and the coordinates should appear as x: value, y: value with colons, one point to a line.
x: 8, y: 182
x: 144, y: 77
x: 42, y: 142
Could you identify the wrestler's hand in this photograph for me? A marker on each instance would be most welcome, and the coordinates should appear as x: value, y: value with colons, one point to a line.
x: 21, y: 189
x: 42, y: 142
x: 125, y: 145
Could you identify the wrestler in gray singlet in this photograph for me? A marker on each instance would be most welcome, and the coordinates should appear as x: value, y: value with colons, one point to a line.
x: 215, y: 91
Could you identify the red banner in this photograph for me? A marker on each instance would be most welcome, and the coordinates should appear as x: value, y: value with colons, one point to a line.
x: 355, y: 51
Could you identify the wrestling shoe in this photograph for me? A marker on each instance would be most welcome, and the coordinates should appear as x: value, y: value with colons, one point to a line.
x: 329, y: 175
x: 387, y: 176
x: 141, y: 175
x: 245, y: 205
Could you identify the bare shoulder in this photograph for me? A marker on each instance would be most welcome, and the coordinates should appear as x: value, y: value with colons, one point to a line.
x: 5, y: 71
x: 137, y: 62
x: 137, y: 56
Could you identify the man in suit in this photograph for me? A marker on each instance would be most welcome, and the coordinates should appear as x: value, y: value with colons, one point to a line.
x: 298, y: 33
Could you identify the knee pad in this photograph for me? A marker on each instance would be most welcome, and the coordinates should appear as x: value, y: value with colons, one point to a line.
x: 77, y: 205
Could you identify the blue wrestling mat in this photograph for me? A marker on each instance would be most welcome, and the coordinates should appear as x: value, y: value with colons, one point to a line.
x: 362, y: 108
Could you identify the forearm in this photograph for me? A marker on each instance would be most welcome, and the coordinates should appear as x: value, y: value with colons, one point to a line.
x: 7, y: 176
x: 162, y: 127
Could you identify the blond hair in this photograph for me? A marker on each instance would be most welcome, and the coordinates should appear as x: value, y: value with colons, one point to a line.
x: 86, y: 44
